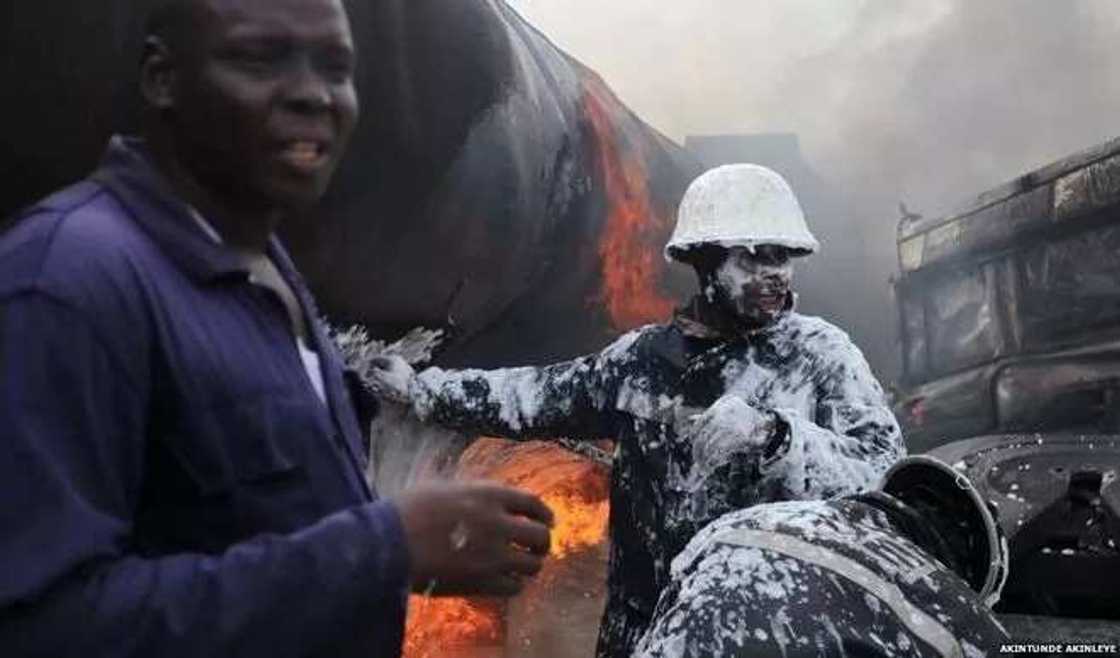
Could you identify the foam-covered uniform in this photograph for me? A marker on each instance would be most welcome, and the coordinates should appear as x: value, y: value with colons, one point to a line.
x: 867, y: 575
x: 834, y: 434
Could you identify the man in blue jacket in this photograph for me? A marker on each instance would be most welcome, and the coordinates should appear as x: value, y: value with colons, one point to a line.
x: 180, y: 461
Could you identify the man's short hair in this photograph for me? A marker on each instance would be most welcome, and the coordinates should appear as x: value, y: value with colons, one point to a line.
x: 171, y: 19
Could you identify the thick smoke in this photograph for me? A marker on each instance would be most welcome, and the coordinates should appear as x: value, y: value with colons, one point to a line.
x: 929, y: 102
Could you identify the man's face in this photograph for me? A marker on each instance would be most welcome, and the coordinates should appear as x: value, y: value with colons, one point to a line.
x: 755, y: 286
x: 265, y: 100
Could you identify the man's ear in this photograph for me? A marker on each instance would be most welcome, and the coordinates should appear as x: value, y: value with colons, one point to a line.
x: 157, y: 74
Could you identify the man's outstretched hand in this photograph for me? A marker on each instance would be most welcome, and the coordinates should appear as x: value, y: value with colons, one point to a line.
x: 473, y: 538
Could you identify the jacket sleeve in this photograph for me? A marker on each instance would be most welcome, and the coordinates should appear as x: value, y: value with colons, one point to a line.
x: 73, y: 420
x: 573, y: 399
x: 851, y: 439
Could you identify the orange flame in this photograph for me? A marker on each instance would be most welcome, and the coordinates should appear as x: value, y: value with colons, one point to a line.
x: 579, y: 524
x: 435, y: 627
x: 630, y: 246
x: 574, y: 488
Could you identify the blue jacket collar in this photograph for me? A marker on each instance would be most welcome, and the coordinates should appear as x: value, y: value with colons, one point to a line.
x: 128, y: 172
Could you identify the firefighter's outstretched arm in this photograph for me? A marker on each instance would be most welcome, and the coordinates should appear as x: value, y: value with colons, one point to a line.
x: 573, y: 399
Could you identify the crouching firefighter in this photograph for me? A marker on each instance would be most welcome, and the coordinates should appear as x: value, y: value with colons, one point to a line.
x: 909, y: 570
x: 735, y: 367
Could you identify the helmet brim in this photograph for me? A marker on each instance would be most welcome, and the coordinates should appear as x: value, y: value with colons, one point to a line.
x: 678, y: 251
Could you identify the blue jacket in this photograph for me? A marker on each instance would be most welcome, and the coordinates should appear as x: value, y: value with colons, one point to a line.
x: 171, y: 484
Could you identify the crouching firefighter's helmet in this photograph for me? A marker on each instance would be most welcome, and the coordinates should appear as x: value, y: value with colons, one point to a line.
x: 949, y: 516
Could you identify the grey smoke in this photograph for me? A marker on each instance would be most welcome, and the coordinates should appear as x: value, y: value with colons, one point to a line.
x: 929, y: 102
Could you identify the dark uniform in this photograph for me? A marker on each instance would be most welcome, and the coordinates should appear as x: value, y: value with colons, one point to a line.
x: 909, y: 570
x: 821, y: 579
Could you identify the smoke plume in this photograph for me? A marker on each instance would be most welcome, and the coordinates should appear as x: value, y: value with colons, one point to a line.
x: 929, y: 102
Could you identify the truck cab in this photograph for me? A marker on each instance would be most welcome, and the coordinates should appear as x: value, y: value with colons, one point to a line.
x: 1009, y: 316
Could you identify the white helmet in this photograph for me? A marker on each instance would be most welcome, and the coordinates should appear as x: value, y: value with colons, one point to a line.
x: 948, y: 495
x: 740, y: 205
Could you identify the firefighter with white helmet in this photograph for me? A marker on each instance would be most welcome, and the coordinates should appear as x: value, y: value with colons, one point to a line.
x: 737, y: 400
x: 739, y: 226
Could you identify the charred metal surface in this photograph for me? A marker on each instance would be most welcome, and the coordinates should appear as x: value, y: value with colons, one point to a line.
x: 963, y: 328
x: 483, y: 181
x: 1075, y: 390
x: 1059, y: 505
x: 1037, y: 629
x: 957, y: 406
x: 987, y: 228
x: 1008, y: 310
x: 1039, y: 205
x: 1047, y: 175
x: 1070, y: 287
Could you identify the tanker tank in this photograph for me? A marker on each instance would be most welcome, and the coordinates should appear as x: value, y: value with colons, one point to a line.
x: 495, y: 188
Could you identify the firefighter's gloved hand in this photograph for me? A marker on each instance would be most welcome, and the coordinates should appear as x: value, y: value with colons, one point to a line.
x: 731, y: 428
x: 391, y: 377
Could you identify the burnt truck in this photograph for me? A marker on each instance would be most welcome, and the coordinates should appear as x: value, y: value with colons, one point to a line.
x: 1010, y: 332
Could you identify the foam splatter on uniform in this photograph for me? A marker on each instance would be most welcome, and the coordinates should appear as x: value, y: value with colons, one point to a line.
x: 819, y: 579
x: 839, y: 436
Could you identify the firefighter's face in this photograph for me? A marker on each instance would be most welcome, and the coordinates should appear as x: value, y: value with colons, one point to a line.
x: 755, y: 285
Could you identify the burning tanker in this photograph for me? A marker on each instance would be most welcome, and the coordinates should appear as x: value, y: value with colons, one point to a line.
x: 495, y: 187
